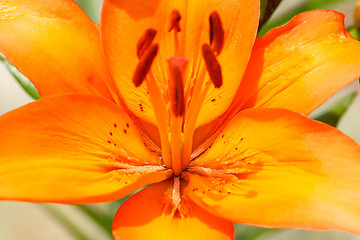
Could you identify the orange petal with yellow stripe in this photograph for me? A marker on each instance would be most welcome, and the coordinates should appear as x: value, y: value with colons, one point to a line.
x: 297, y: 66
x: 300, y: 65
x: 278, y: 169
x: 55, y: 45
x: 149, y: 214
x: 73, y: 149
x: 124, y: 23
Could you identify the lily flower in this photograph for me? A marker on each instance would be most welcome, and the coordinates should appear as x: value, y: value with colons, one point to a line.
x: 181, y: 95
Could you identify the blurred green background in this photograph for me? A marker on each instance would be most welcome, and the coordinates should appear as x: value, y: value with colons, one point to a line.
x: 58, y: 222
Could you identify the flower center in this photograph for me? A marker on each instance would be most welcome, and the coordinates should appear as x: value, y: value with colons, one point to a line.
x: 175, y: 119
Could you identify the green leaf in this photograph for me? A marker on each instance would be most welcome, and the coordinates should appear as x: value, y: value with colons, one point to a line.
x: 22, y: 80
x: 92, y: 8
x: 309, y: 5
x: 246, y: 232
x: 103, y: 219
x: 355, y: 32
x: 66, y: 221
x: 268, y: 7
x: 263, y: 6
x: 336, y: 111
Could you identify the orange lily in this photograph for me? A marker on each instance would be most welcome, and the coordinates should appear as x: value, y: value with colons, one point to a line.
x: 210, y: 116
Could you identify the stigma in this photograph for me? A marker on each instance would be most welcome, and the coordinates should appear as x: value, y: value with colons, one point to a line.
x: 177, y: 110
x: 177, y: 67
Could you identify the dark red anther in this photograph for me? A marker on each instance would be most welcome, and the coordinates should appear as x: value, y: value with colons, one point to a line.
x: 212, y: 65
x: 144, y: 64
x: 216, y: 32
x: 145, y: 41
x: 175, y: 18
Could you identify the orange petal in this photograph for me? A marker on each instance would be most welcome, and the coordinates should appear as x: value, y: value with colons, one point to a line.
x: 124, y: 22
x: 148, y: 215
x: 73, y: 149
x: 301, y: 64
x: 55, y: 45
x: 275, y: 168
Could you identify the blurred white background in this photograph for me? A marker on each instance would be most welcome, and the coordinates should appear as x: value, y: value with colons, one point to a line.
x: 31, y: 221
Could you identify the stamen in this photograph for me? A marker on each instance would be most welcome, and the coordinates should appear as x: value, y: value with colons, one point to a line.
x: 216, y: 32
x: 142, y: 72
x: 191, y: 117
x: 162, y: 117
x: 144, y: 42
x: 144, y: 64
x: 209, y: 172
x: 212, y: 65
x: 198, y: 97
x: 175, y: 18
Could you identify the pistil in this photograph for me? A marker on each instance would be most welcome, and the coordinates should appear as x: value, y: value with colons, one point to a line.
x: 177, y: 66
x: 176, y: 144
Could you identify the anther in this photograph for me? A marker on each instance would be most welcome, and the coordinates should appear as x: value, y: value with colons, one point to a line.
x: 144, y: 64
x: 216, y: 32
x: 212, y: 65
x: 177, y: 66
x: 145, y: 41
x: 175, y: 18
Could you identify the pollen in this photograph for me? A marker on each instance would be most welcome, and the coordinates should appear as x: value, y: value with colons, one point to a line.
x: 177, y: 105
x: 212, y: 65
x: 175, y: 18
x: 216, y: 32
x: 144, y: 64
x: 145, y: 41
